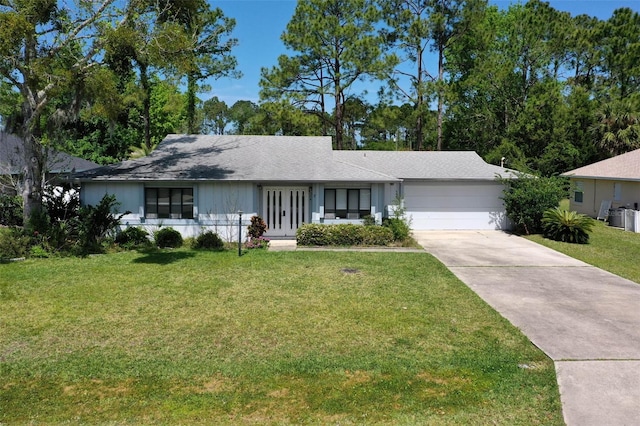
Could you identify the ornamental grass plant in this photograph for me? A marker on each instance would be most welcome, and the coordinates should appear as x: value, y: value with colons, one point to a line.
x: 567, y: 226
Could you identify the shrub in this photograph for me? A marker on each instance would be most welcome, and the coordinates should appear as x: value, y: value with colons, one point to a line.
x: 257, y: 227
x: 343, y: 235
x: 14, y: 243
x: 168, y: 238
x: 528, y: 197
x: 208, y: 240
x: 97, y: 223
x: 132, y: 236
x: 257, y: 243
x: 10, y: 210
x: 377, y: 236
x: 566, y: 226
x: 398, y: 227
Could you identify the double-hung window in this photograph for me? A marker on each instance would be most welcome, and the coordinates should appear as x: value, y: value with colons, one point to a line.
x: 169, y: 203
x: 350, y: 203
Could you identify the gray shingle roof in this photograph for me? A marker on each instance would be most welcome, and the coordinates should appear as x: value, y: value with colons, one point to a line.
x: 237, y: 158
x: 622, y: 167
x: 287, y: 158
x: 12, y: 158
x: 443, y: 165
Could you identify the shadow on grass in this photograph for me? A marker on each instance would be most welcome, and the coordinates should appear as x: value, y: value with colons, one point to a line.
x: 162, y: 257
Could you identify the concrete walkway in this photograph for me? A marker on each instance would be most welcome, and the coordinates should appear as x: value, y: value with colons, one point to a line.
x: 585, y: 319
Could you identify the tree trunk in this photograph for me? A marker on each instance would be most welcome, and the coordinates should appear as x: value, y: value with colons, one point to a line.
x: 419, y: 103
x: 146, y: 104
x: 440, y: 94
x: 32, y: 175
x: 191, y: 105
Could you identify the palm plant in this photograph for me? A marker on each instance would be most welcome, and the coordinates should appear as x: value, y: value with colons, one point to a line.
x: 566, y: 226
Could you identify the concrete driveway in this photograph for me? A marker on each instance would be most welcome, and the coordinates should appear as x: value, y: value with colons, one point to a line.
x: 585, y: 319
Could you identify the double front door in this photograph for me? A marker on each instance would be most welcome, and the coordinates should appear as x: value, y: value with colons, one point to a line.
x: 284, y: 209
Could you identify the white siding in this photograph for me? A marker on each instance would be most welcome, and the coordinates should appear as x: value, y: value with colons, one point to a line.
x: 454, y: 205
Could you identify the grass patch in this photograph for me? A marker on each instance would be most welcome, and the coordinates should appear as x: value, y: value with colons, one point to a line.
x: 195, y: 337
x: 611, y: 249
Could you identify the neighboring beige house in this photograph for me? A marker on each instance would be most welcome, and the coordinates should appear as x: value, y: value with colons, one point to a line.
x: 615, y: 180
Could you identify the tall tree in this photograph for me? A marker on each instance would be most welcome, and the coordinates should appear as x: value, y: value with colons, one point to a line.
x: 47, y: 51
x: 207, y: 53
x: 337, y: 44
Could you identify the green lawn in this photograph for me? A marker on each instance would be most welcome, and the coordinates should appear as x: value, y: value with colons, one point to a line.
x: 183, y: 337
x: 611, y: 249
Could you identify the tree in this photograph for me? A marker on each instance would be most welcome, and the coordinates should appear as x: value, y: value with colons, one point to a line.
x: 241, y: 113
x: 46, y: 52
x: 283, y: 118
x: 617, y: 129
x: 337, y: 44
x: 216, y: 116
x: 420, y: 25
x: 208, y: 47
x: 528, y: 197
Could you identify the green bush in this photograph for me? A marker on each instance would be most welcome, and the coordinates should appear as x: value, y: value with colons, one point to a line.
x: 132, y: 236
x: 168, y: 238
x: 14, y: 243
x: 398, y: 227
x: 528, y: 197
x: 377, y: 236
x: 97, y: 223
x: 566, y: 226
x: 10, y: 210
x: 343, y: 235
x: 208, y: 240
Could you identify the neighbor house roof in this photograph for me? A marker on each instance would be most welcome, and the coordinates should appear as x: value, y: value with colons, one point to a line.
x: 238, y: 158
x: 622, y: 167
x: 443, y: 165
x: 12, y: 158
x: 288, y: 158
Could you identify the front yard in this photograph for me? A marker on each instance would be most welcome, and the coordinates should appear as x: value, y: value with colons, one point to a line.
x: 185, y: 337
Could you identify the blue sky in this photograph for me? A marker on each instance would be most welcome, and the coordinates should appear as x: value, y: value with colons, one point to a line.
x: 260, y: 23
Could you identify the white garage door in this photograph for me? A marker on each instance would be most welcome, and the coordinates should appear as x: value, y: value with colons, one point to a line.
x: 454, y: 205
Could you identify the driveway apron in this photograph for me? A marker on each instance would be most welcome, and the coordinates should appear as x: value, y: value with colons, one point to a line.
x: 585, y: 319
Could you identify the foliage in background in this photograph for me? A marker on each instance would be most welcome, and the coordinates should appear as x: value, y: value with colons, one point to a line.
x: 527, y: 197
x: 566, y: 226
x: 208, y: 240
x: 167, y: 238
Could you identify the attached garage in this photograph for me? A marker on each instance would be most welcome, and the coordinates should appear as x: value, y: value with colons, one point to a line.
x: 459, y: 205
x: 441, y: 189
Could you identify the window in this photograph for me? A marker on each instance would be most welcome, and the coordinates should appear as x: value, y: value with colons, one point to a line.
x: 169, y: 203
x: 578, y: 192
x: 347, y: 203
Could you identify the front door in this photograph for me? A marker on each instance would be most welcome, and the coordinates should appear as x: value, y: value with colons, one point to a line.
x: 284, y: 209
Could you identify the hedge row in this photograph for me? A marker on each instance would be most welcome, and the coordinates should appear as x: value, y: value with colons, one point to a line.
x: 343, y: 235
